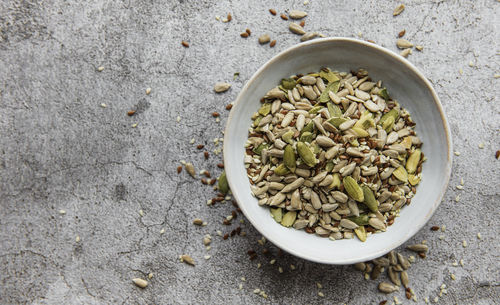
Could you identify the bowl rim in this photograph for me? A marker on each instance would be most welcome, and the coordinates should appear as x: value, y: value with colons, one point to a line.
x: 418, y: 226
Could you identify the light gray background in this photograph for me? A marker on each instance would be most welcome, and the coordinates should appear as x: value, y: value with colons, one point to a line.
x: 61, y: 150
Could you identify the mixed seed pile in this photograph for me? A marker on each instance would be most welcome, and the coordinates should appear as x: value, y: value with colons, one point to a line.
x: 333, y: 154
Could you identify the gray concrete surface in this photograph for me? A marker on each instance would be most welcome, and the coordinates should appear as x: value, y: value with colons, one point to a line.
x: 61, y: 150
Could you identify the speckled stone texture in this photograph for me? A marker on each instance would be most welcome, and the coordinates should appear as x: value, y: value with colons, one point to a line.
x: 61, y: 150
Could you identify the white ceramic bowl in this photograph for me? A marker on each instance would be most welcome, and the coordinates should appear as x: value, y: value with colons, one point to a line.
x: 405, y: 84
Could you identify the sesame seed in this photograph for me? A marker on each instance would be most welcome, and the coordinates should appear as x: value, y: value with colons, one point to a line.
x: 367, y: 276
x: 77, y: 238
x: 62, y: 212
x: 471, y: 64
x: 479, y: 235
x: 461, y: 71
x: 162, y: 231
x: 441, y: 237
x: 464, y: 243
x: 207, y: 256
x: 443, y: 228
x: 192, y: 141
x: 318, y: 284
x: 460, y: 187
x: 148, y: 91
x: 280, y: 270
x: 272, y: 262
x: 462, y: 181
x: 426, y: 300
x: 452, y: 276
x: 178, y: 119
x: 436, y: 299
x: 150, y: 275
x: 141, y: 212
x: 135, y: 125
x: 103, y: 105
x: 219, y: 232
x: 457, y: 199
x: 481, y: 145
x: 321, y: 294
x: 462, y: 262
x: 457, y: 153
x: 259, y: 265
x: 240, y: 286
x: 292, y: 267
x: 455, y: 264
x: 100, y: 69
x: 256, y: 291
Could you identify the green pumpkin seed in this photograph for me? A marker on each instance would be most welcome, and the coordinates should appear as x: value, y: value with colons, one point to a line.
x: 361, y: 220
x: 265, y: 109
x: 334, y: 110
x: 306, y: 154
x: 353, y: 189
x: 289, y: 219
x: 223, y: 185
x: 412, y: 163
x: 308, y: 128
x: 281, y: 170
x: 360, y: 233
x: 329, y: 76
x: 336, y: 181
x: 306, y: 137
x: 325, y: 97
x: 289, y: 158
x: 388, y: 124
x: 315, y: 109
x: 370, y: 200
x: 277, y: 214
x: 288, y: 137
x: 393, y: 113
x: 383, y: 93
x: 337, y: 121
x: 288, y: 83
x: 329, y: 166
x: 257, y: 121
x: 401, y: 174
x: 258, y: 150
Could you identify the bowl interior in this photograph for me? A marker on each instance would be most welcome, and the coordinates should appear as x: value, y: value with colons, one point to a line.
x: 405, y: 84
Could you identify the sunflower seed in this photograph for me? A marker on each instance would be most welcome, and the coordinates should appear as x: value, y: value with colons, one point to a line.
x: 263, y: 39
x: 398, y: 10
x: 221, y: 87
x: 403, y: 43
x: 140, y: 282
x: 418, y: 248
x: 296, y: 29
x: 308, y: 36
x: 387, y: 287
x: 295, y: 14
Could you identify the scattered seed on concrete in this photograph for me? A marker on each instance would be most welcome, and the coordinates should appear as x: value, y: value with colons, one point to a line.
x: 77, y: 239
x: 497, y: 154
x: 187, y: 259
x: 197, y: 221
x: 135, y: 125
x: 398, y: 10
x: 302, y: 23
x: 100, y: 68
x: 103, y: 105
x: 178, y: 119
x: 62, y: 212
x: 229, y: 106
x: 162, y: 231
x: 273, y: 43
x: 229, y: 17
x: 140, y: 282
x: 150, y: 275
x: 418, y: 248
x: 296, y: 14
x: 272, y: 11
x: 321, y: 294
x: 419, y: 48
x: 457, y: 198
x: 403, y: 43
x: 401, y: 33
x: 464, y: 243
x: 221, y: 87
x: 405, y: 52
x: 284, y: 17
x: 179, y: 169
x: 453, y: 277
x: 460, y: 187
x: 131, y: 112
x: 190, y: 169
x: 141, y: 213
x: 265, y: 38
x: 148, y: 91
x: 481, y: 145
x: 479, y: 235
x: 185, y: 44
x: 435, y: 228
x: 296, y: 29
x: 244, y: 35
